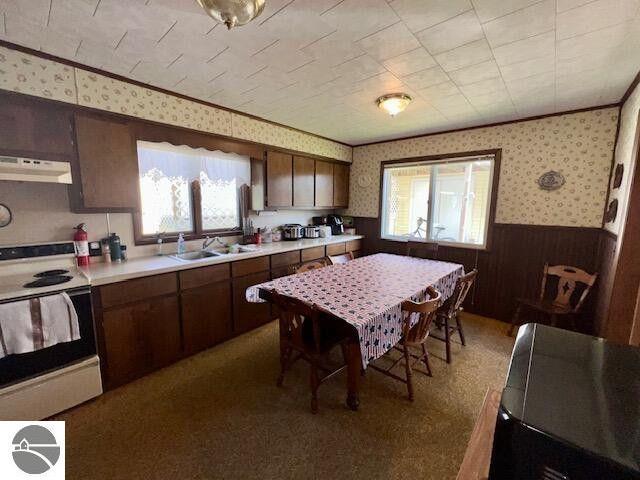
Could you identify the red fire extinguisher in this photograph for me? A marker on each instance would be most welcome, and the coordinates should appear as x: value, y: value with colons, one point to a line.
x: 81, y: 244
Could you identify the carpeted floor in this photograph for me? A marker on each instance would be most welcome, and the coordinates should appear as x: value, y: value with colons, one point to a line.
x: 219, y: 415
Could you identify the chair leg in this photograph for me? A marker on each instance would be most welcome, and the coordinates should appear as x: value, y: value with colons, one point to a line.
x: 460, y: 331
x: 407, y: 362
x: 447, y: 338
x: 285, y: 355
x: 314, y: 388
x: 515, y: 321
x: 426, y: 360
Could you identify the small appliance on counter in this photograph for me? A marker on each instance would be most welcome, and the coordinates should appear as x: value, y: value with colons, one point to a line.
x: 569, y: 409
x: 336, y: 224
x: 311, y: 231
x: 292, y: 231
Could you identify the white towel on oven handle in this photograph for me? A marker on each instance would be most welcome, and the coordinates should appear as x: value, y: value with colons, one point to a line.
x: 17, y: 332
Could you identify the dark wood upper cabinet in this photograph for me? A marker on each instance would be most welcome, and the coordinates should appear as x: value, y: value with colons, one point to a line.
x: 105, y: 174
x: 340, y: 185
x: 324, y: 184
x: 279, y: 179
x: 34, y: 129
x: 303, y: 181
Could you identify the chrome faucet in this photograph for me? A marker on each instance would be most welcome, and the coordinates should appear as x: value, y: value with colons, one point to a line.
x: 209, y: 241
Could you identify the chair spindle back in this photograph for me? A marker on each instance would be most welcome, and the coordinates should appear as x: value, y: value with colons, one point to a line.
x: 426, y: 313
x: 463, y: 285
x: 312, y: 265
x: 340, y: 259
x: 426, y: 250
x: 292, y: 314
x: 568, y: 278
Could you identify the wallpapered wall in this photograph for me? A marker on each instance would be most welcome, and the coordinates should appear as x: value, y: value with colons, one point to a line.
x: 578, y: 145
x: 24, y: 73
x: 626, y: 155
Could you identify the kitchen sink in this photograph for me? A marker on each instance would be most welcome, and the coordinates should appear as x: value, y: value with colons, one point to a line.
x: 190, y: 256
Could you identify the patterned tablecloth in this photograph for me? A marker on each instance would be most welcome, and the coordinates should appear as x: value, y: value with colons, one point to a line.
x: 367, y: 293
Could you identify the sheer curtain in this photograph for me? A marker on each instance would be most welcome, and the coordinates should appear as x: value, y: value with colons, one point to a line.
x: 166, y: 173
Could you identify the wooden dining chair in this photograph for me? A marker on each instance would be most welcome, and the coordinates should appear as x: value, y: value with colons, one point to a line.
x: 312, y: 265
x: 448, y: 316
x: 562, y: 294
x: 414, y: 336
x: 427, y: 250
x: 301, y: 335
x: 340, y: 259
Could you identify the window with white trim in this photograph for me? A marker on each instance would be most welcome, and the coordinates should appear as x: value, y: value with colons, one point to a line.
x: 446, y: 201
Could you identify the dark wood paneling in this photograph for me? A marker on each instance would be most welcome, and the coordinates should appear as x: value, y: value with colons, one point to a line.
x: 606, y: 270
x: 206, y: 316
x: 106, y: 172
x: 279, y: 179
x: 303, y: 181
x: 198, y: 277
x: 138, y: 289
x: 324, y: 184
x: 340, y: 185
x: 34, y: 129
x: 513, y: 266
x: 251, y: 265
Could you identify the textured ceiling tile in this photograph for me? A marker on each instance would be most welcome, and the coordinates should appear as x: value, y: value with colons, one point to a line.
x: 421, y: 14
x: 475, y: 73
x: 483, y: 87
x: 410, y: 62
x: 453, y: 105
x: 21, y: 30
x: 359, y: 68
x: 75, y: 18
x: 390, y: 42
x: 491, y: 9
x: 528, y: 68
x: 595, y: 16
x: 470, y: 54
x: 521, y: 86
x: 440, y: 90
x: 426, y: 78
x: 533, y: 20
x: 607, y: 39
x: 297, y: 25
x: 543, y: 45
x: 347, y: 17
x: 460, y: 30
x: 34, y: 11
x: 333, y: 49
x: 135, y: 17
x: 564, y: 5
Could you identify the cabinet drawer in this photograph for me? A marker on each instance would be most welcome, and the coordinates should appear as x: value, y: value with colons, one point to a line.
x: 354, y: 245
x: 285, y: 259
x: 336, y: 249
x: 203, y: 276
x: 282, y: 271
x: 252, y: 265
x: 312, y: 253
x: 138, y: 289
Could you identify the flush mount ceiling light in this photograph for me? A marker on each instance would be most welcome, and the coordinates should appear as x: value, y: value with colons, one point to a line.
x: 233, y: 12
x: 394, y: 103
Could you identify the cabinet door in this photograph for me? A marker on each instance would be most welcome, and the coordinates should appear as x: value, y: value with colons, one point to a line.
x: 340, y: 185
x: 324, y: 184
x: 29, y: 128
x: 106, y: 175
x: 279, y: 179
x: 140, y: 338
x: 206, y: 316
x: 303, y: 181
x: 247, y: 316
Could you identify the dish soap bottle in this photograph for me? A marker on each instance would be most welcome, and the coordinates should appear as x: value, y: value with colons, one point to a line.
x: 181, y: 245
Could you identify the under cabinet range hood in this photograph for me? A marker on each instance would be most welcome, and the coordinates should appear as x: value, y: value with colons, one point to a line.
x: 33, y: 170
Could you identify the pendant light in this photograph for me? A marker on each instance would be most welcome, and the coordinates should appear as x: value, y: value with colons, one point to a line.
x: 233, y: 13
x: 394, y: 103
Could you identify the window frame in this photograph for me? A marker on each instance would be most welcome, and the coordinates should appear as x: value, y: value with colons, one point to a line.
x: 439, y: 159
x: 197, y: 232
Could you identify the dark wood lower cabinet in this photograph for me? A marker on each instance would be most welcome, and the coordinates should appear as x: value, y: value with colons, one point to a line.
x: 206, y: 316
x: 247, y: 316
x: 139, y: 338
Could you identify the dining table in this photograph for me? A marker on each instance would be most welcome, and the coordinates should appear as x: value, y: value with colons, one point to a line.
x: 365, y: 293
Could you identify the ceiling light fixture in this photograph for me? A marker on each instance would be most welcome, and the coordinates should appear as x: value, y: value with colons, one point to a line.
x: 394, y: 103
x: 233, y: 13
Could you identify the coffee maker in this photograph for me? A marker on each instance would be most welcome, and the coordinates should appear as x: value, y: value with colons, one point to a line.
x: 336, y: 224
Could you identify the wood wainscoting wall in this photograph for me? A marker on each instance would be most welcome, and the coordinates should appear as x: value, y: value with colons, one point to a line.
x: 606, y: 270
x: 513, y: 266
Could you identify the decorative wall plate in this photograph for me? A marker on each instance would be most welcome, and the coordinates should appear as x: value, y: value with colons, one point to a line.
x: 5, y: 215
x: 617, y: 176
x: 612, y: 211
x: 551, y: 180
x: 364, y: 181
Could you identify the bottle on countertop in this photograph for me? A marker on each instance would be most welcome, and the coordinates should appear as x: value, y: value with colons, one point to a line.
x: 123, y: 252
x: 181, y: 244
x: 114, y: 247
x: 106, y: 251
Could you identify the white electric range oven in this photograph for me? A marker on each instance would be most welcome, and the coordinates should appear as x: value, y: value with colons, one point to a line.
x: 41, y: 383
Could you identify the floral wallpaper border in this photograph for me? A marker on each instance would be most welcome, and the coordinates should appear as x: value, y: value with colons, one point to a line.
x: 578, y: 145
x: 32, y: 75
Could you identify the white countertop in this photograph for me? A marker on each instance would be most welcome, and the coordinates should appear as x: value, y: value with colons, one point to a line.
x: 105, y: 273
